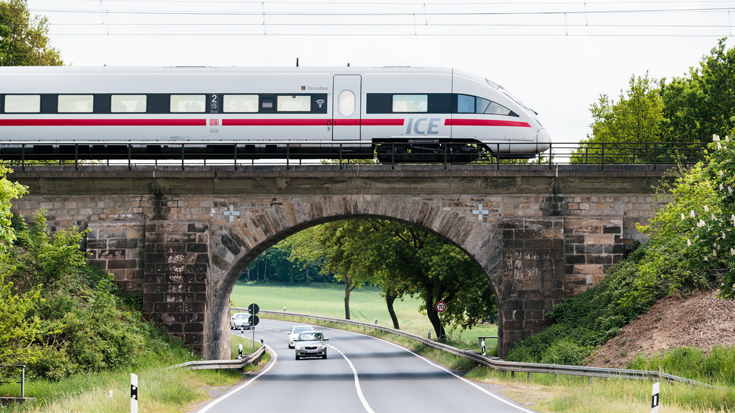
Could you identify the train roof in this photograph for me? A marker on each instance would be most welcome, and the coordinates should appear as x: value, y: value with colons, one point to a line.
x: 220, y: 69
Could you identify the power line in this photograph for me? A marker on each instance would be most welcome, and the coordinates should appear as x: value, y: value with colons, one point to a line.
x: 374, y: 14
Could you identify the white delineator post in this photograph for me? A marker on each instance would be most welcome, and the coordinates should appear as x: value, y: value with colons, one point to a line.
x: 133, y: 393
x: 239, y: 352
x: 483, y: 347
x: 654, y: 398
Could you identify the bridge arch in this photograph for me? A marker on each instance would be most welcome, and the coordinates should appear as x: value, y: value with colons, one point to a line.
x: 234, y: 246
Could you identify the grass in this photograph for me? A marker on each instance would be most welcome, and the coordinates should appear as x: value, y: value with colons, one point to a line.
x: 366, y: 305
x: 574, y: 394
x: 160, y: 390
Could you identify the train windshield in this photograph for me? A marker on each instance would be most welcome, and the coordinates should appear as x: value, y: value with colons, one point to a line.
x: 506, y: 93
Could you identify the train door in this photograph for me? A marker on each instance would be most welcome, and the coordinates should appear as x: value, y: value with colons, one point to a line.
x: 346, y: 109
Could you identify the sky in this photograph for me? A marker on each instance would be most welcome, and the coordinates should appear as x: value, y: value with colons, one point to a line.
x: 556, y: 56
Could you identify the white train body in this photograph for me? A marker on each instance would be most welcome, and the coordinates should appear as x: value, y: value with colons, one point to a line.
x: 299, y: 106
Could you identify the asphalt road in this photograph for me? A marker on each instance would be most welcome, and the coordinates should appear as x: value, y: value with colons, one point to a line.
x: 361, y: 374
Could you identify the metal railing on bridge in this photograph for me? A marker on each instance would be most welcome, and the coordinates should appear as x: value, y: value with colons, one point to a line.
x: 456, y: 152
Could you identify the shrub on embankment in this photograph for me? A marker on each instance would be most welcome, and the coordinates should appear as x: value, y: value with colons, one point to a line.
x: 62, y: 316
x: 691, y: 247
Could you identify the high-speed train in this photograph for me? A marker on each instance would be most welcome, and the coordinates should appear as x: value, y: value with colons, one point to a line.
x: 402, y: 113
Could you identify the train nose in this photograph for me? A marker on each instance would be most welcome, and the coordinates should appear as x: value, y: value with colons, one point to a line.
x: 543, y: 140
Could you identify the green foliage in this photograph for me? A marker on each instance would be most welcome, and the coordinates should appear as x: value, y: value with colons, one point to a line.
x: 634, y: 119
x: 24, y: 39
x: 714, y: 366
x: 702, y: 104
x: 589, y: 319
x: 70, y: 314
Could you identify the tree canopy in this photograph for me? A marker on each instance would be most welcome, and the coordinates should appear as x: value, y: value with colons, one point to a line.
x: 687, y: 109
x: 24, y: 38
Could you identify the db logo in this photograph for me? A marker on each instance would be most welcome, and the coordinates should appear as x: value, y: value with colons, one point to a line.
x: 214, y: 122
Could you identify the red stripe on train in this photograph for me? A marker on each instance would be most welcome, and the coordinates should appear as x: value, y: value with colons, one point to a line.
x: 103, y: 122
x: 276, y: 122
x: 485, y: 122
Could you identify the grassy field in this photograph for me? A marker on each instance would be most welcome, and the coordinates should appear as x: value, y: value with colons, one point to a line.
x: 160, y: 390
x: 365, y: 305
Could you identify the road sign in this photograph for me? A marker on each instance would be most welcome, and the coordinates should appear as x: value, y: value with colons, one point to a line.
x: 441, y: 306
x: 253, y: 320
x: 253, y: 308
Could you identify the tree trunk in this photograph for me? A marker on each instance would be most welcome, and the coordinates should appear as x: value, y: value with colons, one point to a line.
x: 265, y: 271
x: 348, y: 290
x: 434, y: 319
x: 390, y: 298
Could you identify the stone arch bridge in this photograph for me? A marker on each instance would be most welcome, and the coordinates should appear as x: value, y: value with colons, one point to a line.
x: 182, y: 238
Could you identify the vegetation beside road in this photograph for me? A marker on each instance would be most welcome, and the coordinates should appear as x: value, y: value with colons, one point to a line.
x: 367, y: 305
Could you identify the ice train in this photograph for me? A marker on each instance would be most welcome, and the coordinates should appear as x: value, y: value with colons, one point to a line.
x: 212, y: 112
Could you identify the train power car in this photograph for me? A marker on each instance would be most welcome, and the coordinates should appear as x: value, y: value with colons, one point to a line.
x: 403, y: 114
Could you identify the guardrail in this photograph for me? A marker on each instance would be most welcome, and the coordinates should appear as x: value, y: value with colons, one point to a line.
x: 391, y: 153
x: 253, y: 358
x: 22, y: 381
x: 505, y: 366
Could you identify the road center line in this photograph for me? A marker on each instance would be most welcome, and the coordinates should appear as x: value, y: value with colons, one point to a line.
x: 357, y: 381
x: 274, y: 357
x: 433, y: 364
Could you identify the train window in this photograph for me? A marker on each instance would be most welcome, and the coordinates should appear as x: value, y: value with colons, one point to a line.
x: 410, y: 103
x: 346, y: 103
x: 188, y: 103
x: 465, y: 104
x: 294, y: 103
x: 491, y: 108
x: 22, y: 103
x: 76, y: 104
x: 241, y: 103
x: 129, y: 103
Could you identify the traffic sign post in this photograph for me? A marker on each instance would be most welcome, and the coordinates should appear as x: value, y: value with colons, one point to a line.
x: 440, y: 307
x: 253, y: 320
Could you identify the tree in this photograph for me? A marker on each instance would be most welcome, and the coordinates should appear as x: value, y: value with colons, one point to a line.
x: 702, y: 104
x: 634, y: 119
x: 24, y: 39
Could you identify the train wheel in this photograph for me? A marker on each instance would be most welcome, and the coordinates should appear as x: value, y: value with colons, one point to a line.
x: 399, y: 155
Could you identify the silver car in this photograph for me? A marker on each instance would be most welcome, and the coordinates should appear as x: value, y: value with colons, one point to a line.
x: 294, y: 334
x: 240, y: 321
x: 311, y: 344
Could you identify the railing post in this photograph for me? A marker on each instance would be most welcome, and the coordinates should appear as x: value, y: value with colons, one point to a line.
x: 655, y: 155
x: 340, y: 156
x: 23, y: 382
x: 130, y: 155
x: 551, y: 154
x: 235, y: 160
x: 602, y: 162
x: 446, y: 145
x: 586, y: 155
x: 288, y: 155
x: 76, y: 156
x: 497, y: 156
x: 393, y: 155
x: 182, y: 156
x: 23, y: 157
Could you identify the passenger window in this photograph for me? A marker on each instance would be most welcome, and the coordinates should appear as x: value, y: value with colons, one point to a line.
x: 465, y: 104
x: 76, y: 103
x: 491, y: 108
x: 410, y: 103
x: 346, y: 103
x: 128, y: 103
x: 22, y: 103
x: 187, y: 103
x: 240, y: 103
x: 294, y: 104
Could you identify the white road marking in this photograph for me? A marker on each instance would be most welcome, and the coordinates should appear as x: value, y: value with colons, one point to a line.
x: 433, y: 364
x: 357, y: 381
x: 226, y: 395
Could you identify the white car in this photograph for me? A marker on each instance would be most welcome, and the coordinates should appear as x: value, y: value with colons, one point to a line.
x: 294, y: 334
x: 240, y: 321
x: 311, y: 344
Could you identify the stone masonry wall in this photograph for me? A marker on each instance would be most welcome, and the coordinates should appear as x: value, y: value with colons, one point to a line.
x: 176, y: 276
x: 117, y: 247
